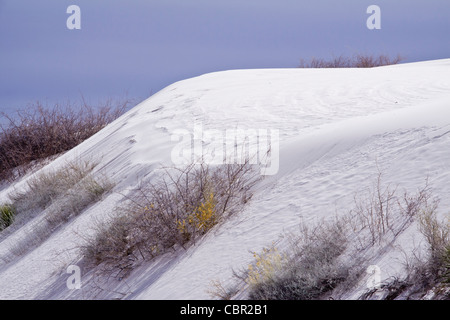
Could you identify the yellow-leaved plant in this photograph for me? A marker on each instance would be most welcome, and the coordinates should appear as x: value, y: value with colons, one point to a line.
x: 202, y: 219
x: 205, y: 216
x: 266, y: 265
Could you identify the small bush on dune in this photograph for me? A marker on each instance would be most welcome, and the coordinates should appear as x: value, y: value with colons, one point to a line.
x: 39, y: 132
x: 307, y: 270
x: 172, y: 210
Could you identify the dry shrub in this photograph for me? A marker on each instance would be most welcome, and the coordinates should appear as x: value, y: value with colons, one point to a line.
x: 39, y: 132
x: 173, y: 209
x: 309, y: 268
x: 356, y: 61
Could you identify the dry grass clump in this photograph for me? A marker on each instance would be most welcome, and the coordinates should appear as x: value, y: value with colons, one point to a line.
x: 53, y: 197
x: 384, y: 213
x: 47, y: 186
x: 7, y: 214
x: 309, y: 268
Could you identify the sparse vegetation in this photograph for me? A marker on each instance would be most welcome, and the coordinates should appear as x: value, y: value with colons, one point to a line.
x: 326, y: 259
x: 308, y: 269
x: 431, y: 271
x: 174, y: 209
x: 437, y: 235
x: 384, y: 213
x: 355, y: 61
x: 267, y: 264
x: 39, y: 132
x: 446, y: 265
x: 45, y: 187
x: 57, y: 195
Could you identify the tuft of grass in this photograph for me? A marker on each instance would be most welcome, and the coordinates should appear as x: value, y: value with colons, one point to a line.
x: 7, y: 214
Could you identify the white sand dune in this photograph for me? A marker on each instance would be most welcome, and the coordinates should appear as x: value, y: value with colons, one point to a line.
x: 337, y: 127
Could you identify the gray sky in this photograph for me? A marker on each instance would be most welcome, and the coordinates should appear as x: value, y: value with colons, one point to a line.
x: 140, y: 46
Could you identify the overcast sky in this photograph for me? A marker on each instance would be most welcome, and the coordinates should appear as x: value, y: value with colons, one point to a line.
x: 140, y: 46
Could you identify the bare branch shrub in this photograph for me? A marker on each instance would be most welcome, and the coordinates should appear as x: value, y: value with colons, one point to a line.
x: 381, y: 210
x: 375, y: 209
x: 39, y: 132
x: 356, y: 61
x: 172, y: 210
